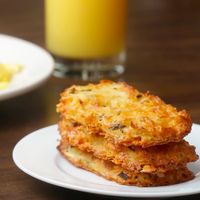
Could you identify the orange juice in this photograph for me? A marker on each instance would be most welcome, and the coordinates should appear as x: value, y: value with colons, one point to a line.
x: 85, y: 29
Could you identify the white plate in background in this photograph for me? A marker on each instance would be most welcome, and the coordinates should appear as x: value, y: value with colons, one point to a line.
x: 37, y: 65
x: 36, y: 155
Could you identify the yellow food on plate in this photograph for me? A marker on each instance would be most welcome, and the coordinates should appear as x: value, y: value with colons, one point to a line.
x: 7, y: 71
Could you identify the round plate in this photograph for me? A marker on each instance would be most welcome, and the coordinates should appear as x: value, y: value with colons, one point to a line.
x: 37, y: 65
x: 37, y: 152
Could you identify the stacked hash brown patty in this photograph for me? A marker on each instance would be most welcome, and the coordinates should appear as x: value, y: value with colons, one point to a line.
x: 124, y: 135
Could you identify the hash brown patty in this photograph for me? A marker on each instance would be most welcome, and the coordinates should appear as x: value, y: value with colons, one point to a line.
x: 116, y: 173
x: 124, y: 115
x: 156, y: 159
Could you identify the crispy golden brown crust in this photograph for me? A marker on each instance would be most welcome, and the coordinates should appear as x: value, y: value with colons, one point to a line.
x: 157, y: 159
x: 116, y: 173
x: 123, y: 114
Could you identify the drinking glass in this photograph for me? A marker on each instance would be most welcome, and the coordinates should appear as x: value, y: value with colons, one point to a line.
x: 86, y: 37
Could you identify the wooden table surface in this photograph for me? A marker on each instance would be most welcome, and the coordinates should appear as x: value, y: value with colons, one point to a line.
x: 163, y: 45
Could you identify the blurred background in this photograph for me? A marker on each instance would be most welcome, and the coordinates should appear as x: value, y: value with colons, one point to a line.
x: 163, y: 43
x: 163, y: 56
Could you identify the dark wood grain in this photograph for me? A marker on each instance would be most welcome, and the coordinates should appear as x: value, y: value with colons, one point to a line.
x: 163, y: 45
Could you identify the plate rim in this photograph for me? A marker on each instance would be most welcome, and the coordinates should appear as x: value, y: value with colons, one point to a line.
x: 10, y: 93
x: 93, y: 190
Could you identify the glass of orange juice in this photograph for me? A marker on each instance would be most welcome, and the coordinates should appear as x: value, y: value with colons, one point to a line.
x: 86, y: 37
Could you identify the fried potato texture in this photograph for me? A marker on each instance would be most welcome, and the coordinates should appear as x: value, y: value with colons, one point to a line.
x: 124, y: 115
x: 156, y: 159
x: 118, y: 174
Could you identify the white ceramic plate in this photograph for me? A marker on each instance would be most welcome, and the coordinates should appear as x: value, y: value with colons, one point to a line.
x: 37, y: 65
x: 37, y: 156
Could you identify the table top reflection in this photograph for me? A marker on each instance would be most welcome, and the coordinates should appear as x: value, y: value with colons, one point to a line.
x: 163, y: 43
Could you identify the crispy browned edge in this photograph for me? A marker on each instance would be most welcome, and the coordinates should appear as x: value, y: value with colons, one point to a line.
x: 156, y: 159
x: 129, y: 140
x: 125, y: 177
